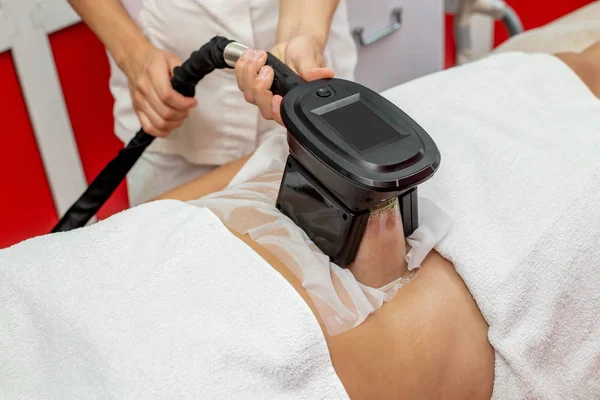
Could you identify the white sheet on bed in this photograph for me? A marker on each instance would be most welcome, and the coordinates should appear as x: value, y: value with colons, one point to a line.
x: 520, y: 176
x: 158, y: 302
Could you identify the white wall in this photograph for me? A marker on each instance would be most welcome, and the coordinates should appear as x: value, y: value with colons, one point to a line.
x: 416, y: 49
x: 24, y: 29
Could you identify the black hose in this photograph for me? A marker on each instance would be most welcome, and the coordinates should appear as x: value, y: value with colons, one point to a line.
x: 512, y: 22
x: 185, y: 78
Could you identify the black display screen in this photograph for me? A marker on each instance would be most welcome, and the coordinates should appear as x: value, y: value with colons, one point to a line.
x: 359, y: 126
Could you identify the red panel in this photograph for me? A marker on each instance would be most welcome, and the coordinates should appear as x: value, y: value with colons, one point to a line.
x: 450, y: 45
x: 84, y: 73
x: 535, y: 13
x: 26, y: 205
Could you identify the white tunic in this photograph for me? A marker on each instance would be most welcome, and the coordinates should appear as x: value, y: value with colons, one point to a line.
x: 223, y: 126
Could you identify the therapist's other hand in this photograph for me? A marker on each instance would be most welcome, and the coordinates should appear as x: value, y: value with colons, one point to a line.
x: 158, y: 106
x: 303, y: 53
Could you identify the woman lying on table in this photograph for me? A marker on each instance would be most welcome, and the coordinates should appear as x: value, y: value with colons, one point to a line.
x: 494, y: 294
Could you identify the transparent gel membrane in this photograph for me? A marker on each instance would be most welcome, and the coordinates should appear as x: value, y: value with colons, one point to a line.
x: 381, y: 257
x: 343, y: 297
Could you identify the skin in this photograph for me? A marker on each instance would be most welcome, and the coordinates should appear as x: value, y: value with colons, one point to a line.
x: 430, y: 340
x: 586, y: 65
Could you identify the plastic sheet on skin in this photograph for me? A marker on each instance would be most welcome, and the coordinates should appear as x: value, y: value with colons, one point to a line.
x: 342, y: 301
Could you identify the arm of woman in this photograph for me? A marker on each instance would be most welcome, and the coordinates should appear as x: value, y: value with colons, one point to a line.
x: 311, y: 17
x: 109, y: 20
x: 302, y: 34
x: 159, y: 108
x: 212, y: 182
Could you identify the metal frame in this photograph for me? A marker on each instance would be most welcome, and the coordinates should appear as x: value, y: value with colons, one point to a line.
x: 24, y: 29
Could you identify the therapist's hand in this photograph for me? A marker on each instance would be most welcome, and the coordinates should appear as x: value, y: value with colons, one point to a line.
x: 303, y: 53
x: 158, y: 106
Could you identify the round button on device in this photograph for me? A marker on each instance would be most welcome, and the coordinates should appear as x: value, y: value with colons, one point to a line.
x: 323, y: 92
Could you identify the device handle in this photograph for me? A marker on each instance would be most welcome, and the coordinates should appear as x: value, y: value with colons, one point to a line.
x: 285, y: 78
x: 358, y: 33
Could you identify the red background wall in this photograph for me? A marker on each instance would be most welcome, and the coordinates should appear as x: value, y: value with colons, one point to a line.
x: 26, y: 205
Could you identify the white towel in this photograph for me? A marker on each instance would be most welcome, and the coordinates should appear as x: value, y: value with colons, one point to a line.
x: 520, y: 176
x: 158, y: 302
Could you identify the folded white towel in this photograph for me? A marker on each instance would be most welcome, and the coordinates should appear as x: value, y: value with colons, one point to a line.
x: 158, y: 302
x: 520, y: 176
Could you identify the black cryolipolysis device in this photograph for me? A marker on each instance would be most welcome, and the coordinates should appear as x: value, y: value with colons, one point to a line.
x: 350, y: 150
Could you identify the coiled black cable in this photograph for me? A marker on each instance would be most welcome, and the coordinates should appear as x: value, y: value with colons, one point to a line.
x: 185, y: 78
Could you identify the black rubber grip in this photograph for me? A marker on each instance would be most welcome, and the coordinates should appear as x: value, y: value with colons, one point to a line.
x: 285, y: 78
